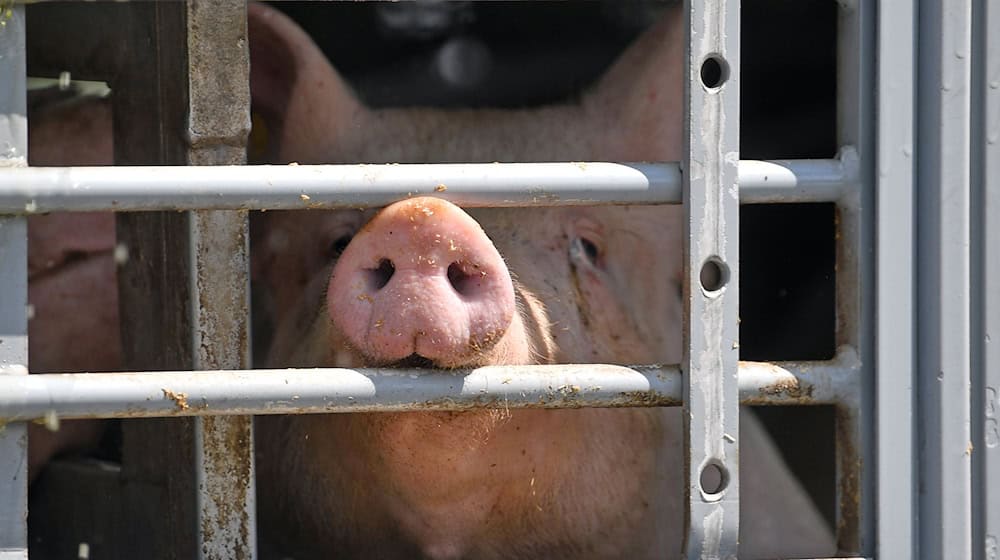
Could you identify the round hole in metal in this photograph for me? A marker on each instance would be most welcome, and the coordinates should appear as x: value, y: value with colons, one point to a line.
x: 714, y: 71
x: 714, y: 275
x: 714, y: 477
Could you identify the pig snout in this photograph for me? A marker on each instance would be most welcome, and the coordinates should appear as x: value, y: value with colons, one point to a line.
x: 422, y: 281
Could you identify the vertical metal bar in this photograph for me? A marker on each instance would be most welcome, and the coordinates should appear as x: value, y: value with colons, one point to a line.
x: 219, y: 122
x: 13, y: 286
x: 856, y: 275
x: 986, y: 280
x: 943, y: 321
x: 895, y: 313
x: 711, y: 286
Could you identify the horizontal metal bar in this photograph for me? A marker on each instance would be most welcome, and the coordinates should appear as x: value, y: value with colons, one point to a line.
x: 789, y: 181
x: 291, y: 187
x: 828, y: 382
x: 285, y: 391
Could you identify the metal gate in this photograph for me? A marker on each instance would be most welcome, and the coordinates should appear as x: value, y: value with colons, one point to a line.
x: 916, y: 183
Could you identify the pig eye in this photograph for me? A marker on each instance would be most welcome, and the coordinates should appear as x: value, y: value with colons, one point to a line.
x: 586, y: 250
x: 335, y: 249
x: 589, y: 249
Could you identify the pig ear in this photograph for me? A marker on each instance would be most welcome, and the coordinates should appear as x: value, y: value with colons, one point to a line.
x: 303, y: 109
x: 638, y: 103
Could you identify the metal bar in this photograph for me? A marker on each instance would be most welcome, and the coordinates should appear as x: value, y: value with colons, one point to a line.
x: 224, y: 460
x: 285, y: 391
x: 791, y: 181
x: 14, y: 282
x: 855, y: 279
x: 258, y: 187
x: 895, y: 314
x: 218, y: 126
x: 943, y: 157
x: 13, y: 350
x: 986, y: 281
x: 711, y: 281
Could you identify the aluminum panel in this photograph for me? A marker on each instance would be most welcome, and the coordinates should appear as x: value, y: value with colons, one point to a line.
x: 943, y: 320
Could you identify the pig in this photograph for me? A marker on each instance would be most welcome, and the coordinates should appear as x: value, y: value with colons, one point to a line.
x: 71, y: 269
x: 553, y: 285
x: 424, y: 283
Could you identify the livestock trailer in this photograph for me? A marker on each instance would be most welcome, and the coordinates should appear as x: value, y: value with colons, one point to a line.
x: 911, y: 381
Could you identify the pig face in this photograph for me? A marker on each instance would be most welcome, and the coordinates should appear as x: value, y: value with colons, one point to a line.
x: 462, y: 484
x: 425, y: 283
x: 457, y: 484
x: 582, y: 279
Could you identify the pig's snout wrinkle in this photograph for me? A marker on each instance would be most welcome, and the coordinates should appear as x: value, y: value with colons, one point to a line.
x: 422, y: 278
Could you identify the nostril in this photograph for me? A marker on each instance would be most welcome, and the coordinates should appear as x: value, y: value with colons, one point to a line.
x: 379, y: 277
x: 460, y: 280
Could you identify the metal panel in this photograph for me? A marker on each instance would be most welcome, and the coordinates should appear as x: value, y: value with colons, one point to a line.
x: 943, y: 287
x: 352, y: 186
x: 986, y: 281
x: 14, y: 286
x: 711, y: 282
x: 895, y: 313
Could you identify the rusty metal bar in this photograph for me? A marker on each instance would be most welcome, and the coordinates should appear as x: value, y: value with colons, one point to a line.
x: 14, y: 283
x: 711, y: 281
x: 855, y: 281
x: 218, y: 126
x: 224, y: 460
x: 134, y: 188
x: 284, y: 391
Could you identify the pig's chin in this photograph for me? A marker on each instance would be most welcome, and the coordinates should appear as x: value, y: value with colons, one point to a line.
x: 513, y: 348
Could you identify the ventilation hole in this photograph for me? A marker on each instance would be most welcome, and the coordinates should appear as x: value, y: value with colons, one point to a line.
x: 458, y: 278
x: 714, y: 71
x: 714, y: 275
x: 714, y: 477
x: 380, y: 276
